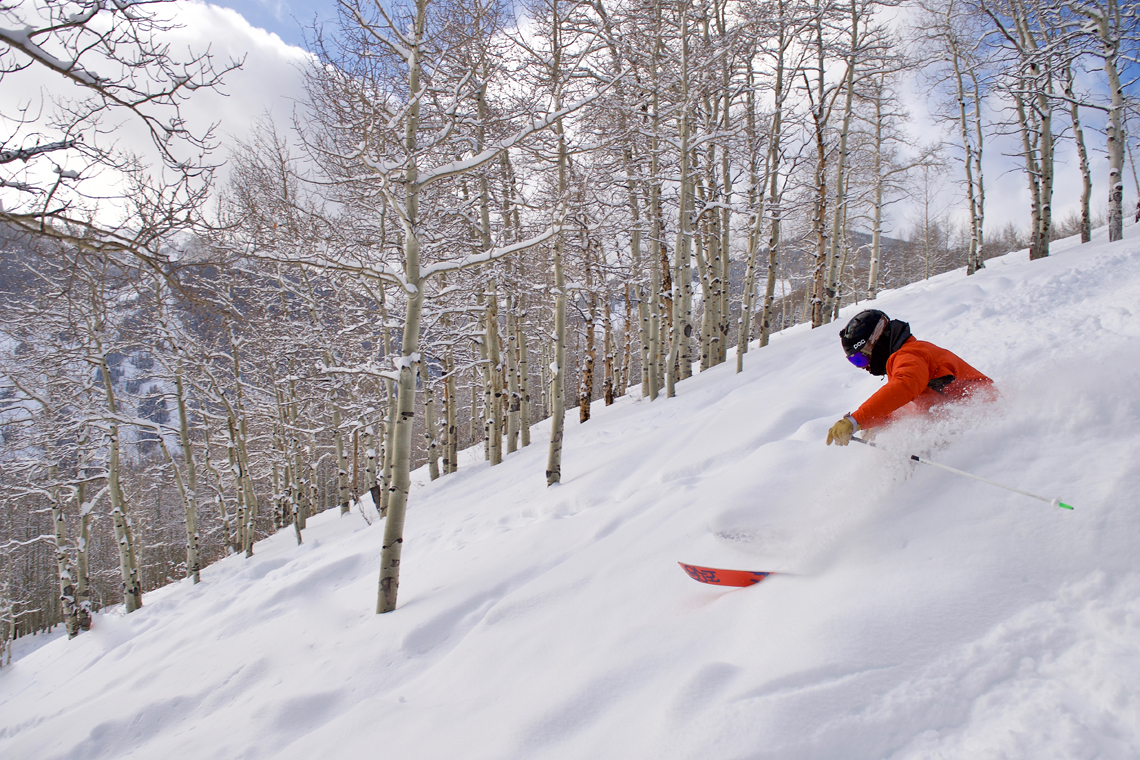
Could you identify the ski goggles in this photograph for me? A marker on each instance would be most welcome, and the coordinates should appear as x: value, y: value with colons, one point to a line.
x: 862, y: 357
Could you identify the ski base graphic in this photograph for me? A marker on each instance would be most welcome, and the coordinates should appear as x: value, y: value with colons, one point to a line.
x: 719, y: 577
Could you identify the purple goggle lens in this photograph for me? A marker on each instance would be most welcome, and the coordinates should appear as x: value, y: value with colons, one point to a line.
x: 860, y: 360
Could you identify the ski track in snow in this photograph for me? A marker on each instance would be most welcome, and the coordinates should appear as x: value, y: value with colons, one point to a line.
x: 921, y: 615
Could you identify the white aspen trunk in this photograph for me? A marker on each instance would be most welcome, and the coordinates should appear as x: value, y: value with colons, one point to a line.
x: 1037, y: 134
x: 1033, y: 173
x: 342, y: 491
x: 409, y: 353
x: 558, y: 363
x: 979, y: 146
x: 748, y: 297
x: 524, y: 372
x: 83, y: 605
x: 494, y: 411
x: 514, y: 401
x: 586, y: 387
x: 1115, y: 132
x: 518, y: 422
x: 724, y: 273
x: 245, y: 482
x: 545, y: 378
x: 558, y: 368
x: 356, y: 462
x: 372, y: 472
x: 708, y: 313
x: 1086, y: 176
x: 1083, y: 156
x: 282, y: 488
x: 128, y: 564
x: 771, y: 182
x: 300, y: 484
x: 430, y: 430
x: 219, y: 500
x: 839, y: 211
x: 388, y: 427
x: 635, y: 259
x: 1045, y: 106
x: 755, y: 201
x: 452, y: 414
x: 236, y: 472
x: 626, y: 367
x: 818, y: 290
x: 608, y: 351
x: 193, y: 566
x: 656, y: 307
x: 839, y: 282
x: 773, y: 258
x: 974, y: 253
x: 473, y: 420
x: 487, y: 370
x: 67, y: 603
x: 493, y: 374
x: 683, y: 275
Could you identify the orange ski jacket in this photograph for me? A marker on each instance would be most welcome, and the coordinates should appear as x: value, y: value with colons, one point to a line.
x: 925, y: 374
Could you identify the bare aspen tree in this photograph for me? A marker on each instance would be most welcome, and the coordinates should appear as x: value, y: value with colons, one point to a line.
x: 451, y: 450
x: 590, y: 354
x: 67, y: 601
x: 514, y: 396
x: 660, y: 307
x: 83, y: 603
x: 839, y: 203
x: 678, y: 349
x: 103, y: 63
x: 493, y: 376
x: 1112, y: 24
x: 430, y: 428
x: 790, y: 23
x: 1082, y: 154
x: 953, y: 34
x: 558, y: 358
x: 523, y: 368
x: 1031, y: 87
x: 555, y: 70
x: 128, y: 562
x: 193, y: 566
x: 608, y: 378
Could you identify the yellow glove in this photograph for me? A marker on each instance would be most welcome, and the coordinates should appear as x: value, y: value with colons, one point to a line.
x: 841, y: 432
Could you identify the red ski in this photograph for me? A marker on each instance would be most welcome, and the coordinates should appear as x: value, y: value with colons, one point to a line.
x: 723, y: 577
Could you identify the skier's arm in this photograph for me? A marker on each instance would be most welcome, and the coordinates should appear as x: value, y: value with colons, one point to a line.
x: 908, y: 378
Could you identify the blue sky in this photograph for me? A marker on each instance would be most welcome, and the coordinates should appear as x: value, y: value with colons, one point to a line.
x: 290, y: 20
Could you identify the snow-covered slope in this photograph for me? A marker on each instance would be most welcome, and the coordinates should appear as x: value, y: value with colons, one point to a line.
x: 920, y: 615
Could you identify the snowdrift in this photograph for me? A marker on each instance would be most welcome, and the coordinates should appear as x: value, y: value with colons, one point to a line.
x: 918, y: 615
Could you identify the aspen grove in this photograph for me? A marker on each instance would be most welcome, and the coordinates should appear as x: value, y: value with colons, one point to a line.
x: 481, y: 213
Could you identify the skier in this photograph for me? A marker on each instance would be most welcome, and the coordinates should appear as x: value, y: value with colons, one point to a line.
x: 916, y: 371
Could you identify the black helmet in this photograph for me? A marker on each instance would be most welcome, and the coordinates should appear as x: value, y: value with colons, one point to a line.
x: 871, y: 337
x: 859, y: 334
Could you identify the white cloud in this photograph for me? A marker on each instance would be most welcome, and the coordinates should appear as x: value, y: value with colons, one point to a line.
x: 270, y: 81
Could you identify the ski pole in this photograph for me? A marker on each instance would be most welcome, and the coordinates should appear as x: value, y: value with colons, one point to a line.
x: 916, y: 458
